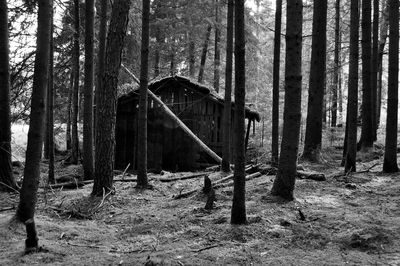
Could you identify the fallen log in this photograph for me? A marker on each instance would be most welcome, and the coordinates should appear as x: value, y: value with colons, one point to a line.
x: 247, y: 178
x: 67, y: 185
x: 164, y: 179
x: 311, y: 175
x: 171, y: 115
x: 217, y: 185
x: 248, y: 169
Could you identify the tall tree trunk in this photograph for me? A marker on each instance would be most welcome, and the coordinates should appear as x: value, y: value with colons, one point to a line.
x: 382, y: 43
x: 107, y: 101
x: 336, y: 67
x: 50, y: 107
x: 352, y: 99
x: 75, y: 91
x: 285, y: 179
x: 367, y: 139
x: 390, y: 159
x: 28, y: 193
x: 101, y: 56
x: 238, y: 212
x: 275, y: 82
x: 88, y: 163
x: 204, y: 54
x: 226, y: 149
x: 217, y: 53
x: 6, y: 174
x: 142, y: 181
x: 69, y: 115
x: 313, y: 137
x: 374, y: 69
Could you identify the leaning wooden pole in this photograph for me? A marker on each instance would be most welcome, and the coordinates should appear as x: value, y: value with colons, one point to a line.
x: 168, y: 111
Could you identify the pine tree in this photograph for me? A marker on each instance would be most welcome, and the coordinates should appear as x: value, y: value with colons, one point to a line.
x: 352, y: 99
x: 142, y: 181
x: 226, y: 149
x: 88, y: 92
x: 313, y: 138
x: 390, y: 158
x: 238, y: 213
x: 285, y: 179
x: 28, y: 193
x: 107, y: 100
x: 6, y: 175
x: 275, y: 83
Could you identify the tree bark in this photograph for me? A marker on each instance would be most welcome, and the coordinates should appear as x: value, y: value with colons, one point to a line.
x: 374, y: 70
x: 101, y: 56
x: 217, y: 53
x: 88, y: 163
x: 238, y: 212
x: 50, y: 108
x: 336, y: 68
x: 313, y: 137
x: 6, y: 174
x: 382, y: 43
x: 28, y: 193
x: 275, y: 84
x: 285, y: 179
x: 107, y: 100
x: 390, y: 158
x: 204, y: 54
x: 142, y: 127
x: 366, y: 140
x: 75, y: 91
x: 68, y: 136
x: 352, y: 100
x: 226, y: 149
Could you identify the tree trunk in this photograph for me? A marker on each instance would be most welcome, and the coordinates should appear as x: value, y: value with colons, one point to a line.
x: 6, y: 174
x: 28, y: 193
x: 313, y: 137
x: 204, y: 54
x: 390, y: 158
x: 238, y: 212
x: 382, y: 43
x: 275, y: 82
x: 142, y: 127
x: 75, y: 91
x: 374, y: 69
x: 88, y: 163
x: 352, y: 99
x: 107, y: 101
x: 101, y: 56
x: 226, y: 149
x: 50, y: 108
x: 367, y: 139
x: 336, y: 68
x: 217, y: 53
x: 69, y: 115
x: 285, y: 179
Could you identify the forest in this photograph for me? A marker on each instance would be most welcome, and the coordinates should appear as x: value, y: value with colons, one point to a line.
x: 203, y: 132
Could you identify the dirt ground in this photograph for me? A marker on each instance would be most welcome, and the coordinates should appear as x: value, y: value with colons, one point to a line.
x: 348, y: 220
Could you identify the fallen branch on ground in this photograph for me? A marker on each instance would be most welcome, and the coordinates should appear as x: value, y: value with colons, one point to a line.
x: 163, y: 179
x: 217, y: 185
x: 7, y: 208
x: 311, y: 175
x: 247, y: 178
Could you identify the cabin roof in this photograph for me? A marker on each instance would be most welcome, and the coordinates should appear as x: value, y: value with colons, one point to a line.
x: 187, y: 83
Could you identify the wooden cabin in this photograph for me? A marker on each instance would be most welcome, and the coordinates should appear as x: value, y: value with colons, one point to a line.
x: 169, y: 148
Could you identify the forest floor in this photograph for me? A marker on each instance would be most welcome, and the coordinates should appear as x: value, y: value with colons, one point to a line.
x: 347, y: 220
